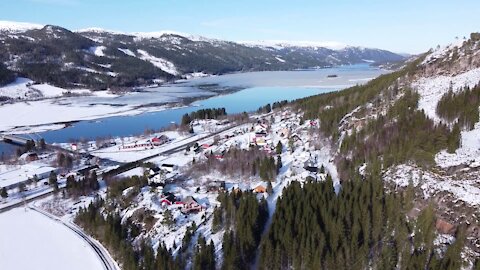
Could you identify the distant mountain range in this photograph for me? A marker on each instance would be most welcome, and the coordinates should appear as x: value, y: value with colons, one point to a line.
x: 97, y: 59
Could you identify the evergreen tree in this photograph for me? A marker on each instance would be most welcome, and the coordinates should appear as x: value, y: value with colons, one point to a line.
x: 71, y: 183
x: 454, y: 139
x: 93, y: 181
x: 279, y: 164
x: 361, y: 227
x: 4, y: 192
x: 279, y: 148
x: 453, y: 257
x: 269, y: 188
x: 291, y: 145
x: 247, y: 216
x: 52, y: 181
x: 42, y: 144
x: 217, y: 221
x: 22, y: 187
x: 204, y: 255
x: 168, y: 218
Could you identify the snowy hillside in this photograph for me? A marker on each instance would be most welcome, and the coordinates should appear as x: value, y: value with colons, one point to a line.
x: 451, y: 68
x: 96, y: 58
x: 278, y: 44
x: 17, y: 27
x: 419, y: 129
x: 431, y: 89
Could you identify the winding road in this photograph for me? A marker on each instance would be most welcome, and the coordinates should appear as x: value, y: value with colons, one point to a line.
x: 107, y: 261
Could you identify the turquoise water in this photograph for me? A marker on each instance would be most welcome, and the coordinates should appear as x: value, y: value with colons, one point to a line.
x: 260, y: 88
x: 246, y: 100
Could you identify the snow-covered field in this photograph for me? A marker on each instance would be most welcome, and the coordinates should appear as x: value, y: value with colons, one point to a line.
x: 30, y: 240
x: 10, y: 175
x: 33, y: 114
x: 18, y: 89
x: 45, y: 112
x: 26, y: 89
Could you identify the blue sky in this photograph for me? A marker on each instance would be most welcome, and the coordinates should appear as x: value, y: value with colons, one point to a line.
x: 401, y: 26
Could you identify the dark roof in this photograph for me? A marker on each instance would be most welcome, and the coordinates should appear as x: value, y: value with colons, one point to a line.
x: 190, y: 199
x: 168, y: 165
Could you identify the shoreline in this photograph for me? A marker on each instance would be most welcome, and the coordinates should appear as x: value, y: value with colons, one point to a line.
x: 185, y: 102
x: 59, y: 113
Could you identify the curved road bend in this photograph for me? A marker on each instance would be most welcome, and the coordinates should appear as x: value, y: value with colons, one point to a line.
x: 102, y: 253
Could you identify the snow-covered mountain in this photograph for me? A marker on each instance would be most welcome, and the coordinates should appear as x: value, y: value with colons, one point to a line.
x: 18, y: 27
x: 279, y: 44
x: 98, y: 58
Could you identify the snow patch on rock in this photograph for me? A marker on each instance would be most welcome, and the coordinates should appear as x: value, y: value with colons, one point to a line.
x: 442, y: 51
x: 97, y: 50
x: 466, y: 190
x: 127, y: 52
x: 161, y: 63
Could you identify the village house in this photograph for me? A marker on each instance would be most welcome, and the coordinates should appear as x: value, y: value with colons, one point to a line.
x: 260, y: 189
x: 74, y: 147
x: 29, y: 157
x: 12, y: 178
x: 154, y: 170
x: 296, y: 138
x: 191, y: 205
x: 259, y: 141
x: 167, y: 199
x: 157, y: 141
x: 216, y: 186
x: 310, y: 166
x: 284, y: 132
x: 168, y: 167
x: 261, y: 134
x: 157, y: 179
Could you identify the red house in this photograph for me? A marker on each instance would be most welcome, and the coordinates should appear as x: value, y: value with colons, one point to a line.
x: 165, y: 202
x: 160, y: 140
x: 191, y: 205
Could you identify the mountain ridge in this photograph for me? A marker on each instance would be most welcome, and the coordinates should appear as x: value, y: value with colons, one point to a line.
x: 99, y: 59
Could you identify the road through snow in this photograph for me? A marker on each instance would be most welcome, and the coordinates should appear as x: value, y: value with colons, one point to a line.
x: 107, y: 261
